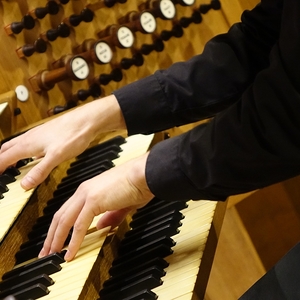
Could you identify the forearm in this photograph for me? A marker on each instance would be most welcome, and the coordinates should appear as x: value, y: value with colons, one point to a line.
x: 102, y: 115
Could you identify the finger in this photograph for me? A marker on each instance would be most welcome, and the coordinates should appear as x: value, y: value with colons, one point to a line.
x: 60, y: 227
x: 10, y: 157
x: 113, y: 218
x: 80, y: 228
x: 39, y: 172
x: 7, y: 145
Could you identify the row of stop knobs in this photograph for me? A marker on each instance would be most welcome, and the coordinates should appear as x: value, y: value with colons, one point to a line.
x: 76, y: 67
x: 164, y: 9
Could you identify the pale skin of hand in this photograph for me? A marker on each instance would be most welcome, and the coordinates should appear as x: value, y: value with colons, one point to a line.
x: 63, y: 138
x: 116, y: 191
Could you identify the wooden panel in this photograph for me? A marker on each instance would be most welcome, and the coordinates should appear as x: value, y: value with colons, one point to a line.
x: 236, y: 266
x: 271, y: 220
x: 233, y: 9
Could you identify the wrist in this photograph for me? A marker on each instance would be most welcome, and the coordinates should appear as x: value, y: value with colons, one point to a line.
x: 137, y: 176
x: 104, y: 115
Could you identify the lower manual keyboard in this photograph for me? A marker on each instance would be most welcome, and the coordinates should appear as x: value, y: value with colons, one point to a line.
x: 177, y: 276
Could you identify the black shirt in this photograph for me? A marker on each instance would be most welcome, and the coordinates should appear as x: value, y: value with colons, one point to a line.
x: 249, y: 80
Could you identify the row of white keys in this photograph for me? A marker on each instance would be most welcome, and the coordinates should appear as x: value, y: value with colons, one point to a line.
x: 184, y: 263
x: 14, y: 200
x: 70, y: 281
x: 135, y: 146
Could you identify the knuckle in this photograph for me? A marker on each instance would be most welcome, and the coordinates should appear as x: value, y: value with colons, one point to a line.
x: 78, y: 227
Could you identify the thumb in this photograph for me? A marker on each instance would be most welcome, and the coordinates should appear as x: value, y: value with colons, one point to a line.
x: 37, y: 174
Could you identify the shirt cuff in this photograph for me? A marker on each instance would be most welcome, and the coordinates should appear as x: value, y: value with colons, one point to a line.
x: 144, y: 107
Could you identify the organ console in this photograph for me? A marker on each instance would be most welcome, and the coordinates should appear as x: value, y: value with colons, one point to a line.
x: 100, y: 46
x: 166, y: 243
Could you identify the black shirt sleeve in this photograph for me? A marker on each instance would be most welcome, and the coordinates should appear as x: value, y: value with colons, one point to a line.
x: 253, y: 143
x: 207, y: 83
x: 253, y: 139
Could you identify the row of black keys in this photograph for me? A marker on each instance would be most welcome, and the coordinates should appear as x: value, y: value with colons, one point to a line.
x: 144, y: 246
x: 8, y: 176
x: 87, y: 165
x: 138, y: 268
x: 140, y: 264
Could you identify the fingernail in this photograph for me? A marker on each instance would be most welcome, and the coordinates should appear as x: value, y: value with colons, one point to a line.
x: 27, y: 182
x: 41, y: 254
x: 68, y: 256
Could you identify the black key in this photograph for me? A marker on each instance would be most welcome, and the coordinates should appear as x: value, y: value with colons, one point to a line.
x: 118, y: 140
x: 7, y: 178
x: 152, y: 202
x: 3, y: 187
x: 49, y: 267
x: 41, y: 279
x: 97, y: 152
x: 135, y: 232
x: 154, y: 212
x: 69, y: 189
x: 136, y: 252
x: 33, y: 241
x: 62, y: 196
x: 166, y: 231
x: 33, y: 250
x: 54, y: 207
x: 89, y: 161
x: 147, y: 282
x: 151, y: 205
x: 117, y: 281
x: 174, y: 214
x: 93, y: 169
x: 138, y: 219
x: 23, y: 162
x: 144, y: 294
x: 12, y: 171
x: 42, y: 221
x: 79, y: 178
x: 28, y: 253
x: 106, y: 163
x: 159, y: 251
x: 38, y: 231
x: 72, y: 186
x: 33, y: 292
x: 1, y: 196
x: 156, y: 261
x: 56, y: 257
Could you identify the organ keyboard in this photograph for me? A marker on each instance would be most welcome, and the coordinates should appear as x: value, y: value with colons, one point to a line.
x: 192, y: 241
x: 14, y: 201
